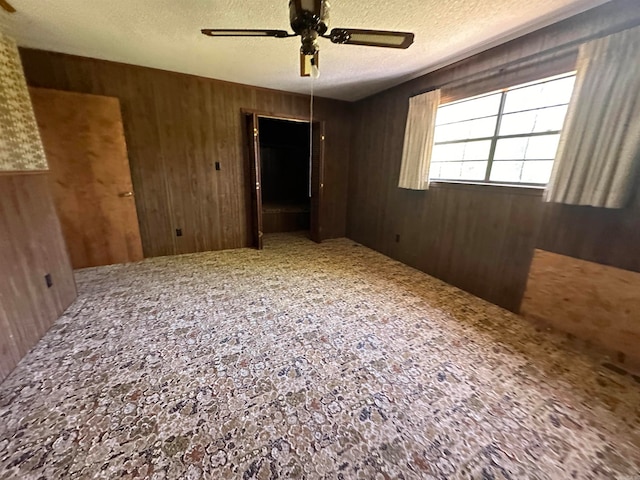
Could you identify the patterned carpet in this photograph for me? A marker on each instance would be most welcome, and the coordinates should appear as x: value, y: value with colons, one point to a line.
x: 306, y: 361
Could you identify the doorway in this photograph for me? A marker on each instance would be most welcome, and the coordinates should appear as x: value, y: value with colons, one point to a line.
x: 285, y: 175
x: 286, y: 181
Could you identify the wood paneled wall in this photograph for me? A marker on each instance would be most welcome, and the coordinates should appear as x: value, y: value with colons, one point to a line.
x: 31, y: 246
x: 608, y: 237
x: 176, y: 127
x: 480, y: 238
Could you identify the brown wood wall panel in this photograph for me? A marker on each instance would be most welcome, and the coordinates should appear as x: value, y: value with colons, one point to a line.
x: 31, y: 245
x: 274, y: 222
x: 176, y: 127
x: 480, y: 238
x: 609, y: 237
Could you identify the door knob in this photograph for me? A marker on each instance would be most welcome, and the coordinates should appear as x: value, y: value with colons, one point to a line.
x: 125, y: 194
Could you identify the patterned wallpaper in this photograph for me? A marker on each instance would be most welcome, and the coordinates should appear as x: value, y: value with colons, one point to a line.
x: 20, y: 145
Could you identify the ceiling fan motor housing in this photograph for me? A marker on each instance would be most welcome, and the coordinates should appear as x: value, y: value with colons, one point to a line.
x: 309, y: 19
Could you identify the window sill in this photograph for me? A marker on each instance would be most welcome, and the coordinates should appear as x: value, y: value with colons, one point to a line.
x: 509, y: 189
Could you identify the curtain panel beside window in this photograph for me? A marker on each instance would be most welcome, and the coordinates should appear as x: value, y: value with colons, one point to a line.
x: 598, y: 158
x: 418, y: 141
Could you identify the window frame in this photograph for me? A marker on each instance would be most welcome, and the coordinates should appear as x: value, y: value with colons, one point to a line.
x: 496, y: 136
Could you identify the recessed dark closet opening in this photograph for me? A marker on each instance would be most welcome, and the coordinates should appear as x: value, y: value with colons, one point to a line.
x: 284, y: 162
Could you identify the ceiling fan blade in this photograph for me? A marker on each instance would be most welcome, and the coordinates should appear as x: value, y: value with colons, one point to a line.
x: 215, y: 32
x: 307, y: 62
x: 371, y: 38
x: 7, y: 6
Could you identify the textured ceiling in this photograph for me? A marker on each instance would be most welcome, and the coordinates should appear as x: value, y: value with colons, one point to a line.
x: 165, y: 34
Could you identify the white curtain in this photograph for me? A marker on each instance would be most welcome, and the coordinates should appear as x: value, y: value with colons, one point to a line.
x: 598, y: 159
x: 418, y: 141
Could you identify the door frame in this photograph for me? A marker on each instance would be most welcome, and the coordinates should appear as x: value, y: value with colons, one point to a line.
x: 252, y: 162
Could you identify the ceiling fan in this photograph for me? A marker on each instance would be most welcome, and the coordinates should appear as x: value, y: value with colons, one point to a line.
x: 310, y: 19
x: 7, y: 6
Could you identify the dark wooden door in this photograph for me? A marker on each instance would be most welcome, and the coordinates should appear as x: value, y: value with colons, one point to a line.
x: 317, y: 180
x: 83, y: 139
x: 253, y: 141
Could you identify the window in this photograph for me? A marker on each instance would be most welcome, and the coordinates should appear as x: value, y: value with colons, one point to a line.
x: 509, y: 137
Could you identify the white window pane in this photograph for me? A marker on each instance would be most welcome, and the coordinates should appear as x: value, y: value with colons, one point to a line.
x: 473, y: 170
x: 434, y: 170
x: 483, y: 127
x: 447, y: 152
x: 550, y: 119
x: 474, y: 150
x: 537, y: 172
x: 523, y: 99
x: 517, y: 123
x: 466, y: 110
x: 511, y: 148
x: 558, y: 91
x: 533, y: 121
x: 555, y: 92
x: 542, y: 147
x: 453, y: 131
x: 506, y: 171
x: 477, y: 150
x: 451, y: 171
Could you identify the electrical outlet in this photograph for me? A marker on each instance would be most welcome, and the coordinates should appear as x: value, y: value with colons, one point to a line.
x: 49, y: 280
x: 178, y: 232
x: 217, y: 165
x: 397, y: 237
